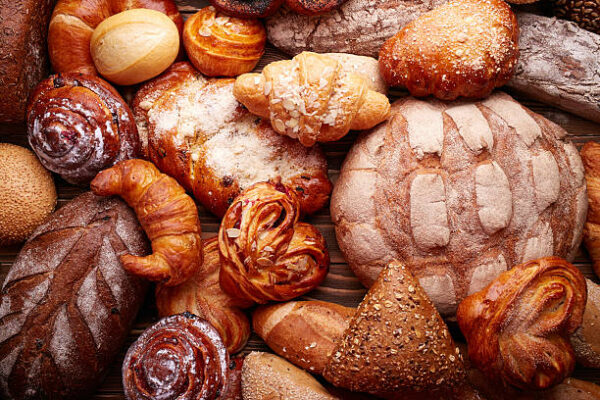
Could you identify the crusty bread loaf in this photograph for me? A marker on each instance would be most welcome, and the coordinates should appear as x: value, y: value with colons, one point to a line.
x: 24, y: 60
x: 268, y: 377
x: 585, y: 340
x: 357, y: 27
x: 461, y: 191
x: 304, y: 332
x: 67, y: 305
x: 559, y: 65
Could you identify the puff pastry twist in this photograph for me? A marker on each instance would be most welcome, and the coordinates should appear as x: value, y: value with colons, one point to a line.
x: 312, y: 98
x: 518, y: 327
x: 267, y: 254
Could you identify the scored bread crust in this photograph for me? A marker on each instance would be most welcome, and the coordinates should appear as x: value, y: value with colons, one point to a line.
x: 194, y: 130
x: 460, y: 192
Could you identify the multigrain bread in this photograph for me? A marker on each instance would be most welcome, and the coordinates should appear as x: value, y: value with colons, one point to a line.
x: 461, y: 192
x: 304, y: 332
x: 357, y: 27
x: 196, y: 131
x: 464, y: 48
x: 67, y: 304
x: 268, y: 377
x: 396, y: 343
x: 24, y: 62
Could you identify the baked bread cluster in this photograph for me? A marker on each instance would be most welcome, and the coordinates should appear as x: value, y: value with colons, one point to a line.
x: 210, y: 158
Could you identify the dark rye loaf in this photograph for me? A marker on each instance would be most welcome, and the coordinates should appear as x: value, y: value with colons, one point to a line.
x: 23, y: 55
x: 67, y: 305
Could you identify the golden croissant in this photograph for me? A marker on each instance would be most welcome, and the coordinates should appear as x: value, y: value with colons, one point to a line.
x: 312, y: 98
x: 168, y: 215
x: 518, y: 327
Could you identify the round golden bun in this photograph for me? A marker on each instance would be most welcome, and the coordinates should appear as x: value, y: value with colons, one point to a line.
x: 27, y: 193
x: 134, y: 46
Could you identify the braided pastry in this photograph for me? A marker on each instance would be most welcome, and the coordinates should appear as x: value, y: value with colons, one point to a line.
x: 590, y: 155
x: 222, y: 46
x: 79, y: 125
x: 182, y: 357
x: 312, y: 98
x: 518, y: 327
x: 168, y: 215
x: 202, y: 295
x: 267, y: 254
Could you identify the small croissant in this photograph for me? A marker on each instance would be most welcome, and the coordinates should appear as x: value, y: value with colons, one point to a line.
x: 312, y: 98
x: 168, y: 215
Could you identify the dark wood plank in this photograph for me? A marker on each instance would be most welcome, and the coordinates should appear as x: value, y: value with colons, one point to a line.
x: 340, y: 286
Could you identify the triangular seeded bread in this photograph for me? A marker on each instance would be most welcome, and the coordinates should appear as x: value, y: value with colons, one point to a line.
x: 396, y: 343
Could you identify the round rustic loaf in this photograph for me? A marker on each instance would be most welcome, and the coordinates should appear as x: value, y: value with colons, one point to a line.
x: 460, y: 191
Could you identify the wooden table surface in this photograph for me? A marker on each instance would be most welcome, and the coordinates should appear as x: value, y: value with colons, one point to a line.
x: 340, y: 286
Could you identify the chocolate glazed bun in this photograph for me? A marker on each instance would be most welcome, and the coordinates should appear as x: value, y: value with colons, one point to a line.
x: 79, y: 125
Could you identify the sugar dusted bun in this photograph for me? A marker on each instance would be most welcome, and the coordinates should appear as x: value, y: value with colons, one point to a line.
x: 134, y: 46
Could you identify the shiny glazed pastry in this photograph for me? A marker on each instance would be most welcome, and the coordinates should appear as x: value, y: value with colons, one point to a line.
x: 202, y: 296
x: 182, y: 357
x: 590, y: 154
x: 266, y: 254
x: 134, y: 46
x: 219, y: 45
x: 168, y: 215
x: 312, y: 98
x: 518, y: 327
x: 404, y: 186
x: 79, y: 125
x: 74, y: 21
x: 197, y: 132
x: 464, y: 48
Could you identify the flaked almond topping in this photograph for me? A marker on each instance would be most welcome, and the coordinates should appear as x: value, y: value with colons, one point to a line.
x: 411, y: 288
x: 279, y: 125
x: 233, y: 232
x: 288, y: 104
x: 269, y: 249
x: 268, y: 87
x: 204, y: 31
x: 257, y: 80
x: 292, y: 123
x: 264, y: 262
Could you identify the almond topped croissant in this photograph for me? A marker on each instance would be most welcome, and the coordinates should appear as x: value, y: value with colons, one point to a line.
x: 518, y: 327
x: 312, y: 98
x: 266, y: 254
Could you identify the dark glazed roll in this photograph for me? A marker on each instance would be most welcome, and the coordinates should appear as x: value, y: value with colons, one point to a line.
x: 180, y: 357
x: 79, y: 125
x: 266, y: 254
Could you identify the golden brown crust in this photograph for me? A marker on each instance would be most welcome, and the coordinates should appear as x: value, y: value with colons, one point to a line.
x: 312, y: 98
x: 198, y: 133
x: 73, y: 22
x: 202, y: 296
x: 590, y: 155
x: 79, y: 125
x: 219, y: 45
x: 518, y: 327
x: 462, y: 48
x: 168, y: 215
x: 303, y: 332
x: 396, y: 343
x: 266, y: 254
x: 585, y: 340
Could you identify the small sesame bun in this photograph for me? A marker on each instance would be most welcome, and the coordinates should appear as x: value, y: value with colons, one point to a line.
x: 27, y: 193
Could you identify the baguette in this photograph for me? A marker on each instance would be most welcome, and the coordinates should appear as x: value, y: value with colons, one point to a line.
x: 304, y: 332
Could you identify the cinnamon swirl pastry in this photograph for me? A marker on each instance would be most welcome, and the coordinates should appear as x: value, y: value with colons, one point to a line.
x: 79, y: 125
x: 267, y: 254
x: 518, y: 327
x: 182, y: 357
x: 202, y: 295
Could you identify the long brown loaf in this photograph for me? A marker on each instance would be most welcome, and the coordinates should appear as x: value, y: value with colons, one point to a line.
x: 23, y: 57
x: 67, y: 305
